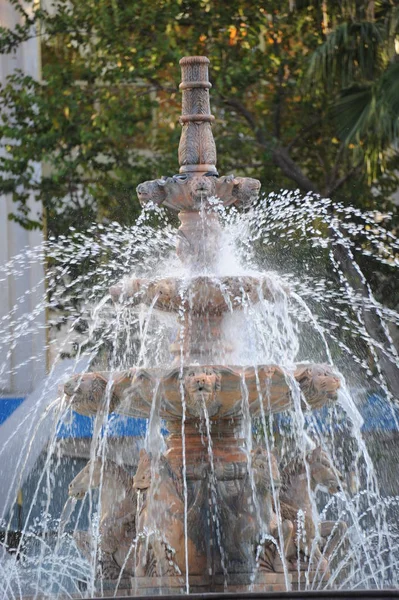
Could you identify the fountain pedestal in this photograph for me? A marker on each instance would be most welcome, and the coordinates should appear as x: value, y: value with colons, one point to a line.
x: 228, y: 449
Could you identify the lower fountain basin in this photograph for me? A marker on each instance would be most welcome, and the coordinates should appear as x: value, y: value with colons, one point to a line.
x: 221, y: 392
x: 258, y: 591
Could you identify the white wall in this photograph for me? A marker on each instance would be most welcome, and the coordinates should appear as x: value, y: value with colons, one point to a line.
x: 13, y: 239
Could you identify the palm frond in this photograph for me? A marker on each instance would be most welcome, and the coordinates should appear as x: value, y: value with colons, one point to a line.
x: 352, y: 112
x: 370, y: 109
x: 367, y: 116
x: 390, y: 87
x: 388, y: 15
x: 351, y: 52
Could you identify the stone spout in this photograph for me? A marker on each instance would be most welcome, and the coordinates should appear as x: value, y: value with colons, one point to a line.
x: 197, y: 149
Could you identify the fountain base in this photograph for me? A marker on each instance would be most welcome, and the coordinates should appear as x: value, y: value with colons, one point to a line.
x: 266, y: 585
x: 262, y: 583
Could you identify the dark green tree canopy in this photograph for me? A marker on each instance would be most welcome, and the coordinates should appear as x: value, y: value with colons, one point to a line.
x: 305, y: 94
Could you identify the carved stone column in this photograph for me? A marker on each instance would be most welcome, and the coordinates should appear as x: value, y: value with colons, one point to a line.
x: 197, y: 149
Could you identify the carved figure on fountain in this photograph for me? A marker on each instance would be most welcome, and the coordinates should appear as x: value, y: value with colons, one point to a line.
x: 192, y: 191
x: 151, y: 191
x: 245, y: 191
x: 266, y: 479
x: 117, y: 525
x: 248, y: 512
x: 202, y: 385
x: 88, y: 393
x: 162, y: 518
x: 318, y: 383
x: 142, y: 477
x: 298, y: 478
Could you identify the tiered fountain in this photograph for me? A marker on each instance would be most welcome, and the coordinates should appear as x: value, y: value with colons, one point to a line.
x: 208, y: 512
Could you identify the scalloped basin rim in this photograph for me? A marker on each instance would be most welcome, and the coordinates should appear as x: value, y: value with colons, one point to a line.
x: 203, y: 293
x: 218, y: 389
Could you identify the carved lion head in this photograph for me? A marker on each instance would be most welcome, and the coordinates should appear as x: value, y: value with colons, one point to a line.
x: 202, y: 385
x: 151, y: 191
x: 323, y: 473
x: 201, y: 187
x: 88, y: 393
x: 319, y: 383
x: 246, y: 191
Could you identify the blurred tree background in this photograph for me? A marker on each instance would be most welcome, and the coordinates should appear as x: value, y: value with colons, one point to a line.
x: 305, y: 94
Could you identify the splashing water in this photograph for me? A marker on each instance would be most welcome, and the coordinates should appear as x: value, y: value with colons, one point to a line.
x: 319, y: 309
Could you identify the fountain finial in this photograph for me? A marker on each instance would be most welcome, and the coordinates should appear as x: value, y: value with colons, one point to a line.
x: 192, y: 190
x: 197, y: 149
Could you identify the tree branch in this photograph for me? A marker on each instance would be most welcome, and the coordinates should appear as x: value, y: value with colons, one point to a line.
x: 280, y: 155
x: 337, y: 161
x: 329, y: 191
x: 282, y: 159
x: 303, y: 132
x: 249, y: 117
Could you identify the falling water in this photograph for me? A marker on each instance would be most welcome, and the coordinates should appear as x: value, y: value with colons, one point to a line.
x: 316, y: 314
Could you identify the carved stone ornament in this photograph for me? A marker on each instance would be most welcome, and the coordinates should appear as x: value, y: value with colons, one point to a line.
x: 317, y: 541
x: 202, y: 386
x: 118, y: 515
x: 188, y: 192
x: 91, y: 393
x: 268, y: 385
x: 199, y: 295
x: 161, y: 550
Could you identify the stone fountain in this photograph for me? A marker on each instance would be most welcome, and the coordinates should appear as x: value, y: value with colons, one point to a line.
x: 209, y: 512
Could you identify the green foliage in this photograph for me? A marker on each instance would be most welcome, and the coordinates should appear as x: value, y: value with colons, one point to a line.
x: 105, y: 114
x: 369, y: 113
x: 359, y: 66
x: 351, y: 51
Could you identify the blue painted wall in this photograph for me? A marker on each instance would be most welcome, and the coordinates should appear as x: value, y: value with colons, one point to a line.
x: 80, y: 426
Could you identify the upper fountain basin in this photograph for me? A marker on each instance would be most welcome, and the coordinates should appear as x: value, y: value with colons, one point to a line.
x: 202, y: 294
x: 222, y: 392
x: 189, y: 192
